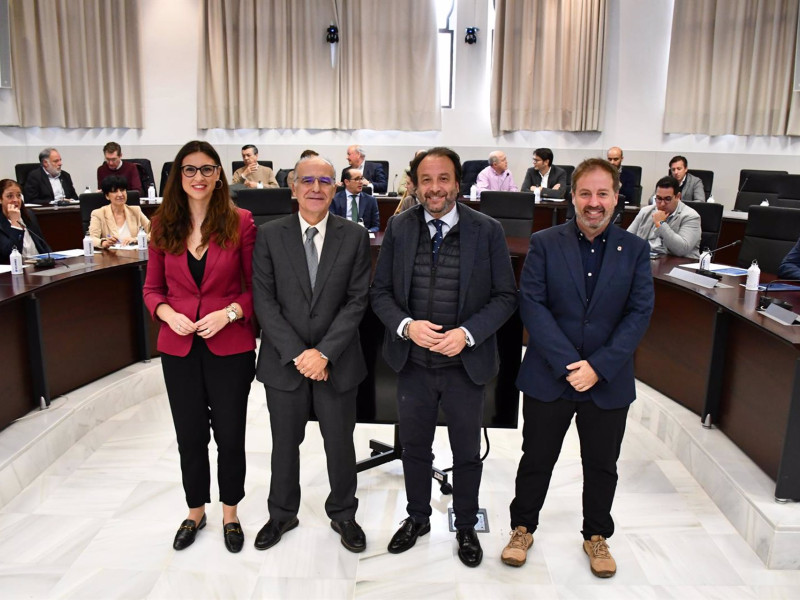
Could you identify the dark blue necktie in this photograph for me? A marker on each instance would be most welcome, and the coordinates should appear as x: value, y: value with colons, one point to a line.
x: 437, y: 238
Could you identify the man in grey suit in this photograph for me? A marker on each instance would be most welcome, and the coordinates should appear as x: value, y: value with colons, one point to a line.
x: 310, y: 286
x: 691, y: 187
x: 443, y: 286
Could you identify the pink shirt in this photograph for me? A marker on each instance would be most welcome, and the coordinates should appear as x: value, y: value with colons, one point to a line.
x: 488, y: 179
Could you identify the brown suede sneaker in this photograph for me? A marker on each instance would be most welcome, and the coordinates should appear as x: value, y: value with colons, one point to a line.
x: 600, y: 560
x: 516, y: 552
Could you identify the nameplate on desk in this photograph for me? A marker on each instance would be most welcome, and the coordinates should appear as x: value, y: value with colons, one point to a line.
x: 780, y: 314
x: 61, y: 269
x: 689, y: 277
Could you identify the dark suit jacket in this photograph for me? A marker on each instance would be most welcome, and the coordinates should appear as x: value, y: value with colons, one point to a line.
x: 627, y: 188
x: 564, y: 329
x: 790, y: 265
x: 38, y: 189
x: 372, y: 172
x: 11, y: 238
x: 367, y: 209
x: 487, y: 292
x: 227, y: 278
x: 293, y: 319
x: 557, y: 175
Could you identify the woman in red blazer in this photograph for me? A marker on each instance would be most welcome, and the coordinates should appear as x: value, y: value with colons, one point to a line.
x: 199, y: 286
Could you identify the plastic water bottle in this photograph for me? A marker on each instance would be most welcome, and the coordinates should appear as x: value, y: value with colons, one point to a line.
x: 141, y: 239
x: 473, y: 193
x: 705, y: 259
x: 151, y: 194
x: 753, y: 277
x: 87, y: 190
x: 711, y: 199
x: 88, y: 247
x: 260, y: 185
x: 765, y: 202
x: 537, y: 195
x: 16, y: 262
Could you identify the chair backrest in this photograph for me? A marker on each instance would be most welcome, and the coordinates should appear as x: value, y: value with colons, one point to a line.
x: 21, y: 171
x: 164, y: 175
x: 513, y: 210
x: 636, y: 170
x: 788, y: 186
x: 786, y: 202
x: 265, y: 204
x: 707, y: 177
x: 94, y: 200
x: 749, y: 179
x: 238, y: 164
x: 469, y: 174
x: 710, y: 222
x: 385, y: 166
x: 770, y: 233
x: 145, y: 172
x: 745, y: 200
x: 281, y: 176
x: 567, y: 194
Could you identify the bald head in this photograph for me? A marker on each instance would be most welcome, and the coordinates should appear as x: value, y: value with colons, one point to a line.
x: 498, y: 161
x: 614, y: 156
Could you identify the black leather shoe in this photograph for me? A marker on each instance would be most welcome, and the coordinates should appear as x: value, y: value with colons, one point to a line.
x: 234, y: 537
x: 469, y: 548
x: 405, y: 537
x: 353, y: 537
x: 271, y: 533
x: 187, y: 532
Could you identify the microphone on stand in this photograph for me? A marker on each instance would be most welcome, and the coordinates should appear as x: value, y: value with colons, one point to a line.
x: 41, y: 263
x: 393, y: 193
x: 710, y: 253
x: 764, y: 301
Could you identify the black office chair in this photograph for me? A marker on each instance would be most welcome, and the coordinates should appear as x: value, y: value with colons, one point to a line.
x: 165, y: 169
x: 751, y: 180
x: 567, y: 195
x: 266, y: 204
x: 786, y: 202
x: 788, y: 186
x: 710, y: 222
x: 707, y: 177
x: 281, y: 176
x: 745, y: 200
x: 94, y: 200
x: 145, y: 172
x: 469, y: 174
x: 21, y: 171
x: 636, y: 200
x: 770, y: 233
x: 513, y: 210
x: 238, y: 164
x: 385, y: 166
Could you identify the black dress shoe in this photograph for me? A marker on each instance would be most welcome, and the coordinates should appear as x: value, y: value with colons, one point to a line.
x: 187, y: 532
x: 469, y: 548
x: 234, y: 537
x: 405, y: 537
x: 353, y: 537
x: 271, y: 533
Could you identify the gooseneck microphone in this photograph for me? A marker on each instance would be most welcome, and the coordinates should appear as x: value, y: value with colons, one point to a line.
x: 710, y: 253
x: 41, y: 263
x: 393, y: 193
x: 764, y: 301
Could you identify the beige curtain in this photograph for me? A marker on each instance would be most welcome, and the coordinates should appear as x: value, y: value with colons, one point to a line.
x: 76, y: 63
x: 266, y: 64
x: 731, y: 67
x: 547, y: 71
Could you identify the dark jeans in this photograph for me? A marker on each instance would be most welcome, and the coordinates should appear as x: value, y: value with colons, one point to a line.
x: 420, y: 392
x: 204, y: 389
x: 600, y: 432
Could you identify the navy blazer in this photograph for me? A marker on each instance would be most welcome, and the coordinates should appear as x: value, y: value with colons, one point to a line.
x: 564, y: 329
x: 293, y: 318
x: 367, y: 209
x: 11, y: 238
x: 487, y: 292
x: 37, y: 186
x: 557, y: 175
x: 372, y: 172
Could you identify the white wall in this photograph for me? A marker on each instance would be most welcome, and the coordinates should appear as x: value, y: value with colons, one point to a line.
x: 638, y: 51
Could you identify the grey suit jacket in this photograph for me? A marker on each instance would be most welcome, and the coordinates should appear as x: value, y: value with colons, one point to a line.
x: 487, y: 292
x: 692, y: 189
x: 293, y: 319
x: 680, y: 234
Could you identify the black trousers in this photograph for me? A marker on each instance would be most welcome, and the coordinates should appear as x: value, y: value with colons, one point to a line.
x: 205, y: 389
x: 420, y: 392
x: 289, y: 413
x: 600, y: 433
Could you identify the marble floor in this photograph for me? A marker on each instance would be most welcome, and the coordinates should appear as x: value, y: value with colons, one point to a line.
x: 98, y: 523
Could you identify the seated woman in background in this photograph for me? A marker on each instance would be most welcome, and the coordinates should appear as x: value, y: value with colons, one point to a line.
x: 18, y: 226
x: 116, y: 223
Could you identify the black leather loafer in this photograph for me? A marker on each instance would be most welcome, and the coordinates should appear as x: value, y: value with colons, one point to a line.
x: 353, y: 537
x: 234, y: 537
x: 405, y: 537
x: 271, y: 533
x: 469, y: 548
x: 187, y: 532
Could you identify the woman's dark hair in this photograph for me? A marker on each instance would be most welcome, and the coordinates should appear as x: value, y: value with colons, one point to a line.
x: 112, y: 183
x: 172, y: 221
x: 7, y: 183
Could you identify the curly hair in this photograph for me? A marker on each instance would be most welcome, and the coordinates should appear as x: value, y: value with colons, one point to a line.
x: 172, y: 221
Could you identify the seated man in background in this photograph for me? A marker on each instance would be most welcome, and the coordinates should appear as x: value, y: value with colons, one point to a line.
x: 496, y: 177
x: 669, y: 225
x: 372, y: 172
x: 303, y: 154
x: 790, y: 265
x: 549, y: 180
x: 115, y: 166
x: 252, y: 173
x: 691, y: 188
x: 48, y: 183
x: 627, y: 180
x: 354, y: 205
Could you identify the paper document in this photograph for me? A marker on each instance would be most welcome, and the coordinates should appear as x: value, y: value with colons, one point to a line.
x: 718, y: 268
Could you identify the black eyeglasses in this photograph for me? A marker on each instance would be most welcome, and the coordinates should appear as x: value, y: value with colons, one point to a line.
x: 205, y: 170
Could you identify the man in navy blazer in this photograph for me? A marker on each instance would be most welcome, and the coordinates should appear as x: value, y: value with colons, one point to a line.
x: 443, y: 286
x: 586, y: 295
x: 366, y: 205
x: 371, y: 171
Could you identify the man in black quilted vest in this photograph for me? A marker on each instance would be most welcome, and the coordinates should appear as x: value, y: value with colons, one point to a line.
x: 443, y: 286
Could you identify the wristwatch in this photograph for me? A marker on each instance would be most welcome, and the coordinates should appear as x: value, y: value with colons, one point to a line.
x: 230, y: 312
x: 405, y: 330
